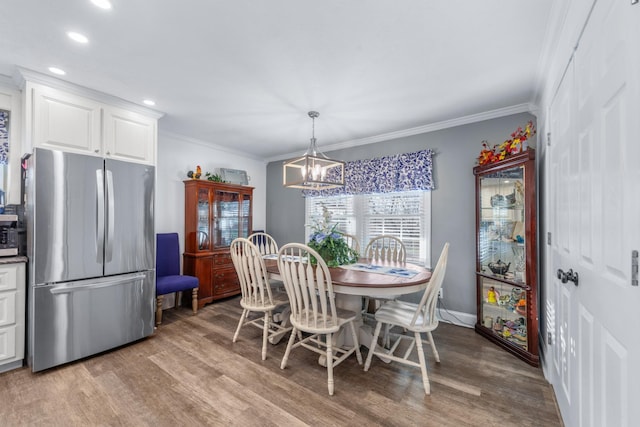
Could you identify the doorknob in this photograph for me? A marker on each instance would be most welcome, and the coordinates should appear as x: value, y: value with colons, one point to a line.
x: 569, y: 276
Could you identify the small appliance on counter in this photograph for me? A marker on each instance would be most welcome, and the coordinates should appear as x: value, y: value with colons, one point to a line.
x: 18, y: 232
x: 9, y: 238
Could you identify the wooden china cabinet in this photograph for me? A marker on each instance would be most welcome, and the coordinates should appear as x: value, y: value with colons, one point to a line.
x: 214, y: 215
x: 506, y: 266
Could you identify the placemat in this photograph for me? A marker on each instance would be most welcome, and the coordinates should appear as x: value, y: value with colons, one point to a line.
x: 293, y: 258
x: 381, y: 269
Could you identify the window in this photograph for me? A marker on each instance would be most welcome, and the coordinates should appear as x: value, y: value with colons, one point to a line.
x: 406, y: 215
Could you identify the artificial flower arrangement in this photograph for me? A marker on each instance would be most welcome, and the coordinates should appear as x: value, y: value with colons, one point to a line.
x: 507, y: 148
x: 329, y: 243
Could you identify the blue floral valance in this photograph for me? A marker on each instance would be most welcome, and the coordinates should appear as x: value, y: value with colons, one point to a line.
x: 400, y: 172
x: 4, y: 137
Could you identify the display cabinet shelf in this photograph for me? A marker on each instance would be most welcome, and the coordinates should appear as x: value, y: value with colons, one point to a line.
x: 506, y: 266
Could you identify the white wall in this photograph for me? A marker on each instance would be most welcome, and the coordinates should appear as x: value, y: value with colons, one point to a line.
x: 452, y: 202
x: 176, y: 156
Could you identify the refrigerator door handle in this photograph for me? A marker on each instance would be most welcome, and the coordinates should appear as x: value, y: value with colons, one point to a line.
x: 100, y: 215
x: 93, y: 284
x: 110, y: 217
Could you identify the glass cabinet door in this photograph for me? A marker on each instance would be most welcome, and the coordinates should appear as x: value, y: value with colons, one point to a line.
x: 501, y: 255
x: 501, y: 244
x: 245, y: 216
x: 204, y: 212
x: 504, y: 310
x: 226, y: 208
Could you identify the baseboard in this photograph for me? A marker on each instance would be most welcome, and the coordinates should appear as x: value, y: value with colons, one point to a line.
x: 456, y: 317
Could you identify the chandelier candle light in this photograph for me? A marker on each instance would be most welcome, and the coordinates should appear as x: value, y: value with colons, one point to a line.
x: 314, y: 170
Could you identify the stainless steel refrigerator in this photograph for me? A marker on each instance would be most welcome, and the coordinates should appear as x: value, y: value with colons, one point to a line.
x: 91, y: 249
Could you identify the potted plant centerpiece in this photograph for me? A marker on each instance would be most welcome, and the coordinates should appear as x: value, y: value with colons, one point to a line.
x: 329, y: 243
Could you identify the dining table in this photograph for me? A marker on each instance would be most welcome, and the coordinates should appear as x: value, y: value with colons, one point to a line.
x: 367, y: 278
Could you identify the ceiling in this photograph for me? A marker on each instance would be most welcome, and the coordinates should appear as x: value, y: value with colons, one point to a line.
x: 242, y: 74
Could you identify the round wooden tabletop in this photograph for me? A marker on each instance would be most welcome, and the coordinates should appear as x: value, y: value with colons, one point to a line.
x: 356, y: 282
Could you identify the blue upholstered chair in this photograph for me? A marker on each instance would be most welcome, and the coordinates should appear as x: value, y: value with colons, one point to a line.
x: 168, y: 277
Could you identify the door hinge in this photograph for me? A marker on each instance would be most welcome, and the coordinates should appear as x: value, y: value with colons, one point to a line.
x: 549, y: 338
x: 634, y: 268
x: 548, y: 139
x: 549, y: 238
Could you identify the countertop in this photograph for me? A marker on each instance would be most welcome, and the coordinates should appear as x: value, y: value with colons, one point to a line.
x: 13, y: 259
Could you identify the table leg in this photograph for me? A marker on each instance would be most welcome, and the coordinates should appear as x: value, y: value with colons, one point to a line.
x: 282, y: 319
x: 365, y: 331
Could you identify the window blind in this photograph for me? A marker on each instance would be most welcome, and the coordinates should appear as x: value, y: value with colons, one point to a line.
x: 406, y: 215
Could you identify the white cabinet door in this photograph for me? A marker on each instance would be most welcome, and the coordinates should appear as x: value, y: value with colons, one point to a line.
x: 7, y: 344
x: 65, y: 121
x: 12, y: 315
x: 68, y: 122
x: 7, y: 308
x: 129, y: 136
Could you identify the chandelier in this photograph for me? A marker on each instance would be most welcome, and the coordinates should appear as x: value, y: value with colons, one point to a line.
x: 314, y: 170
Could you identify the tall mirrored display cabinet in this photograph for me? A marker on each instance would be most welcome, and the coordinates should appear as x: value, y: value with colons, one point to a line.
x: 506, y: 265
x: 214, y: 215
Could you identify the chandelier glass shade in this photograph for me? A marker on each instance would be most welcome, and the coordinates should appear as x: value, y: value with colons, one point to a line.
x: 313, y: 170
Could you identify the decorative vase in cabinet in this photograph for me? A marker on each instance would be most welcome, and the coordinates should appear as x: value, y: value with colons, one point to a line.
x: 506, y: 265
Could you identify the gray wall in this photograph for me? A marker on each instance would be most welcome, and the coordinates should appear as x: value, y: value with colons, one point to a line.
x: 453, y: 200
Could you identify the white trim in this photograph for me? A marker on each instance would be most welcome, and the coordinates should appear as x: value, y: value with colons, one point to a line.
x: 457, y: 318
x: 23, y: 75
x: 8, y: 82
x: 473, y: 118
x: 209, y: 145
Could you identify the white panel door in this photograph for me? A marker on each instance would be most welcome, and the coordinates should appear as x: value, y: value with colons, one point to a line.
x: 559, y: 310
x: 594, y: 162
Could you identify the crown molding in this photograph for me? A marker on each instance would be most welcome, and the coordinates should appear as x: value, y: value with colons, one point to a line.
x: 7, y: 81
x: 24, y: 75
x: 208, y: 145
x: 432, y: 127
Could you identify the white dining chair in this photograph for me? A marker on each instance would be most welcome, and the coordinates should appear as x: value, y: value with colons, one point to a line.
x: 257, y: 294
x: 266, y: 244
x: 416, y: 318
x: 386, y: 248
x: 352, y: 242
x: 313, y: 308
x: 383, y: 248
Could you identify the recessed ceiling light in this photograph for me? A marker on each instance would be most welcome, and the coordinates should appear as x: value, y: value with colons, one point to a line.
x: 149, y: 102
x: 80, y: 38
x: 57, y: 71
x: 102, y: 4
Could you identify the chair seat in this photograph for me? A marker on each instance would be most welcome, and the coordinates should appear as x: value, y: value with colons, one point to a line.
x: 400, y: 313
x: 175, y: 283
x: 277, y: 299
x: 319, y: 326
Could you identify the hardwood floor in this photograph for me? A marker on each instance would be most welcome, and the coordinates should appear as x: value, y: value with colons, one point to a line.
x: 189, y: 373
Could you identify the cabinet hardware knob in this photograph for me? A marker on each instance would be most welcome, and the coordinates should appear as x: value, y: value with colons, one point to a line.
x: 96, y: 150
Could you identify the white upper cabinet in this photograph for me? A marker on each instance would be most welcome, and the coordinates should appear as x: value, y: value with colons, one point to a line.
x: 59, y: 119
x: 65, y: 122
x: 129, y: 136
